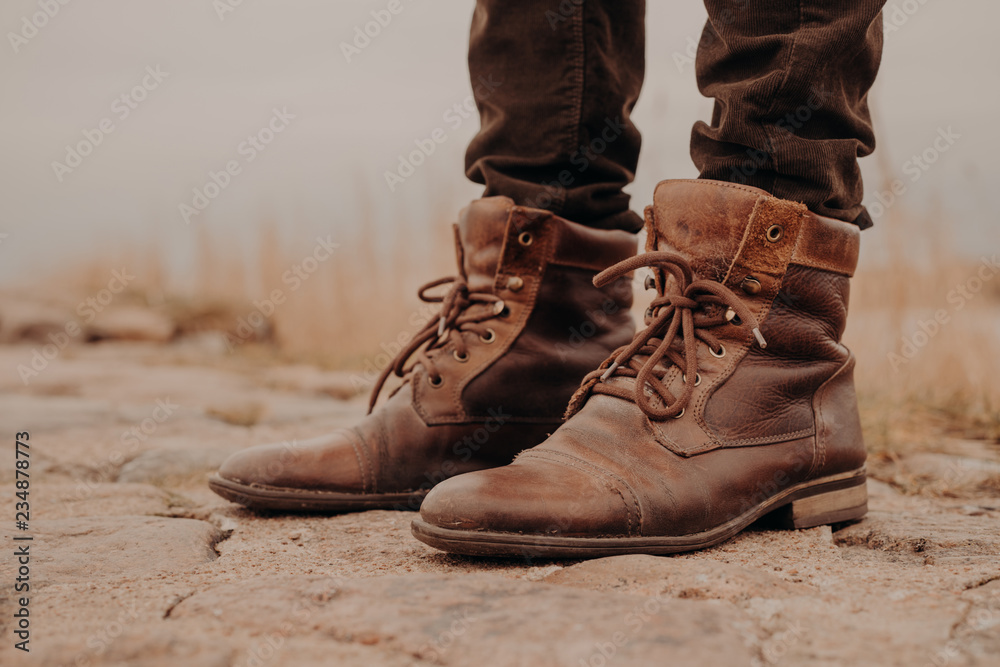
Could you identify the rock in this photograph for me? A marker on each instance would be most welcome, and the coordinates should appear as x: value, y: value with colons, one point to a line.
x: 457, y: 620
x: 24, y: 320
x: 58, y: 501
x: 946, y: 475
x: 932, y: 537
x: 676, y: 577
x: 158, y: 465
x: 175, y: 643
x: 336, y: 384
x: 131, y: 323
x: 978, y: 633
x: 144, y: 646
x: 48, y: 413
x: 90, y: 549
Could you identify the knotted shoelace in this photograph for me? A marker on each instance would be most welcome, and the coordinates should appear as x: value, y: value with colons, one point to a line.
x: 676, y: 322
x: 456, y: 316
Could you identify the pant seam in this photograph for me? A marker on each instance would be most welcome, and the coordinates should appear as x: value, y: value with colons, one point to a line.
x: 578, y: 74
x: 768, y: 128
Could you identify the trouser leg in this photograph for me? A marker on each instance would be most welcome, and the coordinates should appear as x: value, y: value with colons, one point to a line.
x: 555, y: 84
x: 790, y: 81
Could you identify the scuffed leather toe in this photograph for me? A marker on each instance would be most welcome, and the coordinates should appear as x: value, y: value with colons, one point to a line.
x: 532, y: 495
x: 327, y: 463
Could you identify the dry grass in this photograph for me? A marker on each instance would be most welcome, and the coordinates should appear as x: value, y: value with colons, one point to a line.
x: 351, y: 311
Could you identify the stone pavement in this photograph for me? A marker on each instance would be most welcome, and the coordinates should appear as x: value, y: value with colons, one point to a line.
x: 134, y: 561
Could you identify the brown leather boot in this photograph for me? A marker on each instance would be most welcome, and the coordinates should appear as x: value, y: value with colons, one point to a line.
x: 519, y: 327
x: 736, y: 401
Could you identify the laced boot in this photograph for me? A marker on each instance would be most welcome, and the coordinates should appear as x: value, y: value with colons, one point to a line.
x: 737, y: 399
x: 519, y: 327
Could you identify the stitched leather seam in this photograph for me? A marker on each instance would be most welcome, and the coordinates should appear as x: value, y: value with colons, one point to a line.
x: 720, y: 184
x: 811, y: 263
x: 518, y: 327
x: 771, y: 439
x: 361, y: 465
x: 595, y: 471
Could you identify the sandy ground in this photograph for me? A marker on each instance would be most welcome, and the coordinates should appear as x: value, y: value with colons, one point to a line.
x: 135, y: 562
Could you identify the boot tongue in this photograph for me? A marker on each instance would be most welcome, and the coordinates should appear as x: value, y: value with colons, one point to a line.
x: 703, y: 221
x: 482, y: 227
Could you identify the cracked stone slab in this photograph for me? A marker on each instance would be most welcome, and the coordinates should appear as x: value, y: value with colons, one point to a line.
x: 158, y: 465
x: 676, y: 577
x: 937, y: 474
x: 115, y: 548
x: 186, y: 644
x: 457, y: 620
x: 84, y: 498
x: 934, y: 537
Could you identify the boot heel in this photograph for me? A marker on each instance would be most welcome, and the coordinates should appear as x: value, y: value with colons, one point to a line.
x: 827, y: 507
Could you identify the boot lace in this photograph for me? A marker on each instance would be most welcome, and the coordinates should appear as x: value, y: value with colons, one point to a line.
x: 457, y: 315
x: 676, y: 321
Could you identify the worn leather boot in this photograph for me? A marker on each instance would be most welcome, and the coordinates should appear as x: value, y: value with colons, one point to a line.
x: 737, y: 399
x: 518, y: 329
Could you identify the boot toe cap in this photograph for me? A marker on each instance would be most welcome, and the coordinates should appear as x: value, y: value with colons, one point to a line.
x: 328, y: 463
x: 531, y: 496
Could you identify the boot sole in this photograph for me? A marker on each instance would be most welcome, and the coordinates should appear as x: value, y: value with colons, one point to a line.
x: 827, y: 500
x: 304, y: 500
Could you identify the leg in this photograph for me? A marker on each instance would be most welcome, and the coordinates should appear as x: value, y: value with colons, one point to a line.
x: 790, y: 81
x: 555, y: 85
x: 522, y: 321
x: 737, y: 400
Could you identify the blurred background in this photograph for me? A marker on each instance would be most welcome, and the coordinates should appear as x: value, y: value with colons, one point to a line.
x: 120, y: 119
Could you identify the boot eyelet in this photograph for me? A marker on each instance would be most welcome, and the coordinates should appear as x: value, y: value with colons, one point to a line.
x: 504, y: 312
x: 774, y: 233
x: 732, y: 317
x: 515, y: 283
x: 697, y: 379
x: 751, y: 285
x: 721, y: 353
x: 680, y: 414
x: 490, y: 336
x: 460, y: 358
x: 650, y: 283
x: 431, y: 382
x: 525, y: 238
